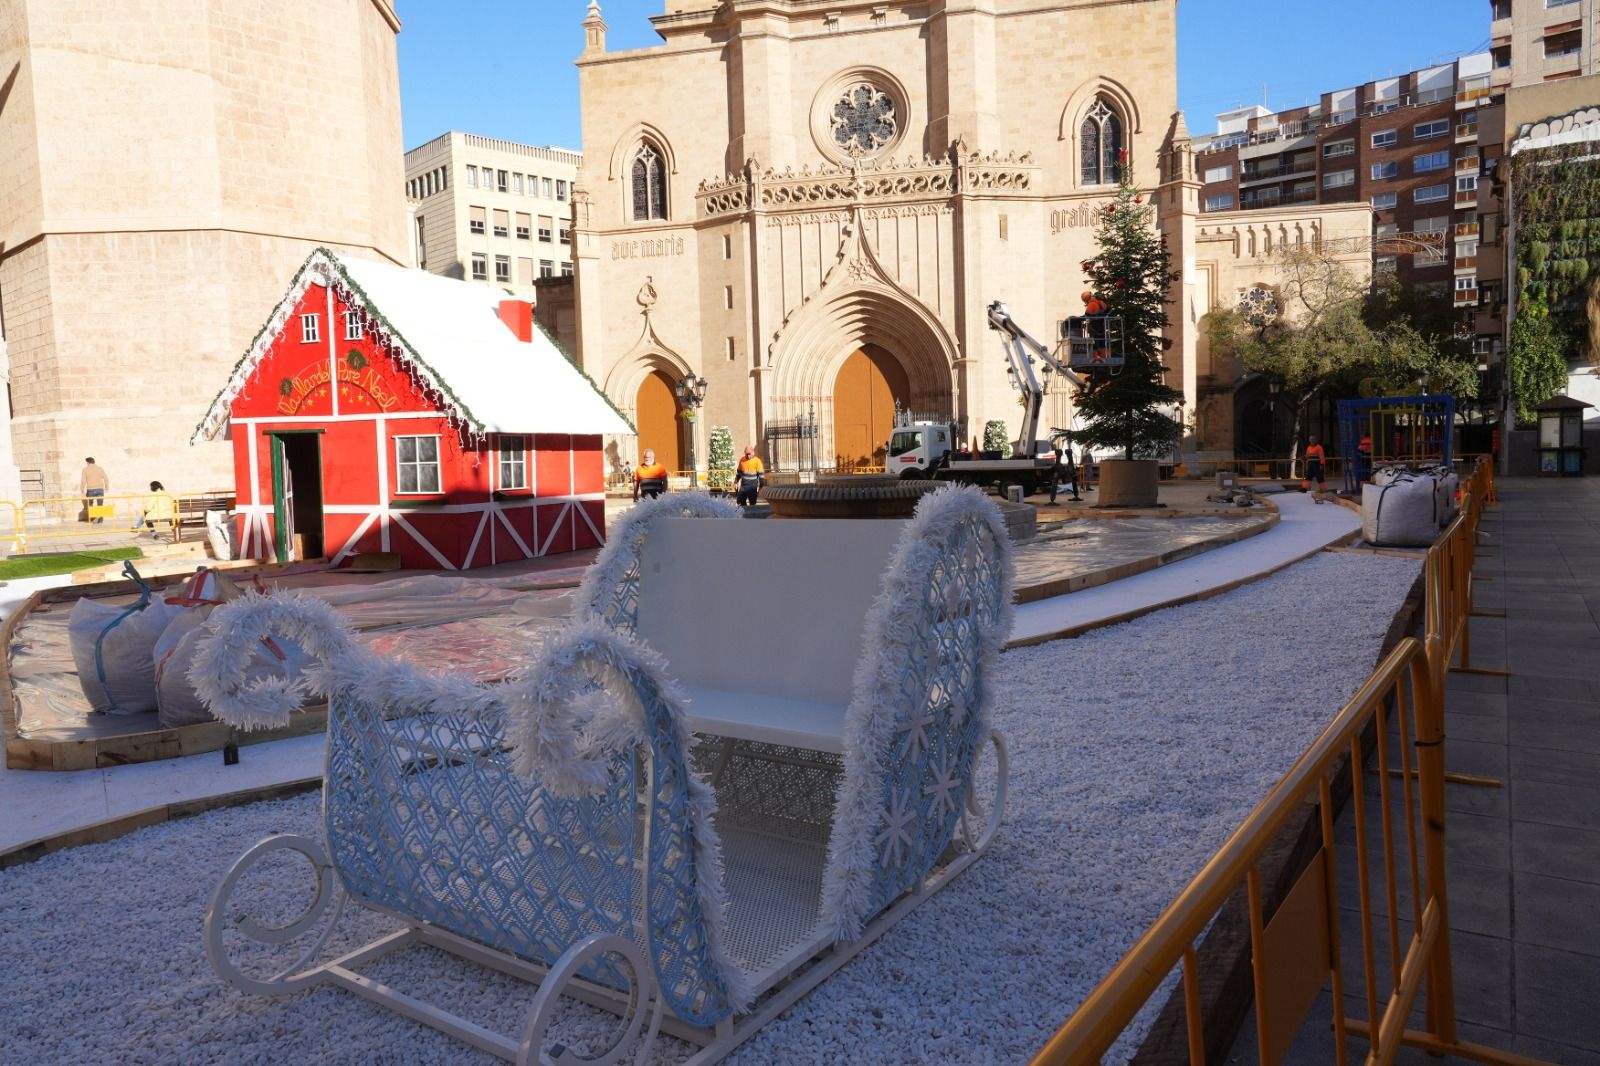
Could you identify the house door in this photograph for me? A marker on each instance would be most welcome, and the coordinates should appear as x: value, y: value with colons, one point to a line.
x: 297, y: 495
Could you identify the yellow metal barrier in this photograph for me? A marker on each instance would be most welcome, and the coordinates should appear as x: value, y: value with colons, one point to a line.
x: 73, y: 517
x: 1296, y: 946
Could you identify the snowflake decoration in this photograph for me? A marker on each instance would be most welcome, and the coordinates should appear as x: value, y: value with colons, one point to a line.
x: 943, y: 788
x: 916, y: 741
x: 1259, y: 307
x: 894, y: 843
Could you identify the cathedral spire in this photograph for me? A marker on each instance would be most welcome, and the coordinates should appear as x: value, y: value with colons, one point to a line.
x: 594, y: 29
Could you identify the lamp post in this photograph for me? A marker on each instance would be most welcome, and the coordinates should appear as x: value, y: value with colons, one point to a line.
x: 691, y: 392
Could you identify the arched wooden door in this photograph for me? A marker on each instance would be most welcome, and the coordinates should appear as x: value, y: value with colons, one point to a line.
x: 864, y: 396
x: 660, y: 428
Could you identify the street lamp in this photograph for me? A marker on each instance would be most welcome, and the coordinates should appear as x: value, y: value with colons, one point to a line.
x: 691, y: 392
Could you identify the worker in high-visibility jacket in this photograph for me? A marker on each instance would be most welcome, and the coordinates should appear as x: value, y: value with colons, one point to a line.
x: 651, y: 477
x: 748, y: 478
x: 1314, y: 472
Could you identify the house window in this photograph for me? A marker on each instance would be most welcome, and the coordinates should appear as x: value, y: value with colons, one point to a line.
x: 516, y: 184
x: 547, y: 268
x: 513, y: 462
x: 502, y: 223
x: 503, y: 181
x: 1216, y: 174
x: 480, y: 267
x: 1383, y: 139
x: 566, y: 268
x: 1380, y: 171
x: 565, y: 233
x: 1431, y: 194
x: 352, y: 326
x: 1431, y: 161
x: 417, y: 464
x: 1338, y: 179
x: 310, y: 332
x: 502, y: 268
x: 1384, y: 201
x: 1466, y: 284
x: 524, y: 226
x: 1100, y: 146
x: 649, y: 184
x: 1224, y: 202
x: 1467, y: 183
x: 472, y: 177
x: 561, y: 190
x: 548, y: 195
x: 477, y: 218
x: 1437, y: 128
x: 546, y: 224
x: 1338, y: 148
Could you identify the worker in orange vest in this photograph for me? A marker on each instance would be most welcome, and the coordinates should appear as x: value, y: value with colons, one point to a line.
x: 650, y: 478
x: 1314, y: 459
x: 748, y: 478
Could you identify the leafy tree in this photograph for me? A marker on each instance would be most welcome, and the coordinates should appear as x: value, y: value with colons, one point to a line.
x: 1405, y: 360
x: 1536, y: 363
x: 1132, y: 273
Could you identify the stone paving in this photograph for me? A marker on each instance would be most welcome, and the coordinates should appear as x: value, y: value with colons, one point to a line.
x: 1524, y: 859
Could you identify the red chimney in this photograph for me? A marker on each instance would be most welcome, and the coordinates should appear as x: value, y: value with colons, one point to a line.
x: 518, y: 317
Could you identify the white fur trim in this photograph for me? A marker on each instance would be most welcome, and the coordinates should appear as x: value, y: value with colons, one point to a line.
x: 871, y: 718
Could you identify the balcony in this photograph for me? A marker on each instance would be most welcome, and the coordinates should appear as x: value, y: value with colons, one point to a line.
x: 1273, y: 198
x: 1277, y: 172
x: 1339, y: 118
x: 1467, y: 164
x: 1431, y: 96
x: 1466, y: 131
x: 1470, y: 97
x: 1466, y: 229
x: 1466, y: 263
x: 1467, y: 198
x: 1466, y: 298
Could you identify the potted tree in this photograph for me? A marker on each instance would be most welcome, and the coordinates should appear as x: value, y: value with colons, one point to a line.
x: 1131, y: 273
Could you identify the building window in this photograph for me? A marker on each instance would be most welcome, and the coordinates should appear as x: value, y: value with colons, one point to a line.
x: 727, y: 247
x: 1224, y: 202
x: 1429, y: 162
x: 1338, y: 148
x: 546, y: 225
x: 864, y: 120
x: 503, y: 181
x: 1100, y: 146
x: 727, y: 297
x: 548, y: 195
x: 502, y: 223
x: 1216, y: 174
x: 422, y: 244
x: 472, y: 177
x: 649, y: 184
x: 525, y: 271
x: 561, y: 190
x: 565, y: 233
x: 566, y: 268
x: 352, y: 326
x: 729, y: 349
x: 310, y: 331
x: 1569, y: 43
x: 1431, y: 194
x: 524, y: 226
x: 1338, y: 179
x: 1384, y: 139
x: 547, y: 268
x: 480, y: 267
x: 516, y: 184
x: 1385, y: 264
x: 1437, y: 128
x: 1467, y: 284
x: 502, y: 268
x: 1380, y: 171
x: 1385, y: 201
x: 476, y: 219
x: 1466, y: 249
x: 513, y: 462
x: 1467, y: 183
x: 417, y: 464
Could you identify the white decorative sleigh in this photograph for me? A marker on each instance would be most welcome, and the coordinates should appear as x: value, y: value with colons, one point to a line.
x: 692, y: 852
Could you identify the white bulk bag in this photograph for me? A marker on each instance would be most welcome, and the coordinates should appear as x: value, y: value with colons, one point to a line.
x: 121, y: 679
x: 219, y: 534
x: 1400, y: 514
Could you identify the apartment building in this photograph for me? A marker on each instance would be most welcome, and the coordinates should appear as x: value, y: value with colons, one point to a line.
x: 491, y: 210
x: 1535, y: 41
x: 1406, y: 145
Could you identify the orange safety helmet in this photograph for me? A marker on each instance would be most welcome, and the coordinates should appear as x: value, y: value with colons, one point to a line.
x: 1092, y: 304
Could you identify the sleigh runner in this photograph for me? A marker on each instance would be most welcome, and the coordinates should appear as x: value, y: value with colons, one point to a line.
x: 657, y: 841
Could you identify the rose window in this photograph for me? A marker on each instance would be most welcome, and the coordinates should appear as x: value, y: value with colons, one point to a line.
x: 864, y: 120
x: 1259, y: 307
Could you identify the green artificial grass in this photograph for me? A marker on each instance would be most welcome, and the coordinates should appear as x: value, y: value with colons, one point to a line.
x: 62, y: 562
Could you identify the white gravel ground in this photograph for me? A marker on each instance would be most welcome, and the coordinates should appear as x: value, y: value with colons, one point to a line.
x: 1135, y: 751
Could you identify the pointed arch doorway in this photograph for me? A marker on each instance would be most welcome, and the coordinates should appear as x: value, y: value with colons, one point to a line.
x: 865, y: 392
x: 659, y: 421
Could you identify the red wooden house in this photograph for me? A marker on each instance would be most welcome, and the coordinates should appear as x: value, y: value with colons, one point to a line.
x: 387, y: 409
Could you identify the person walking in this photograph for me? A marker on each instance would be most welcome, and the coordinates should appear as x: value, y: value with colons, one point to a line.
x: 651, y: 477
x: 92, y: 486
x: 748, y: 478
x: 1314, y: 472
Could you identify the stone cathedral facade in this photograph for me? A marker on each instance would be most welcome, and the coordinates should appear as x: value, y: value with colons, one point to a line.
x: 811, y: 205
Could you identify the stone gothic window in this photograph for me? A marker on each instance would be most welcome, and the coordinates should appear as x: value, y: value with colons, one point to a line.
x: 1100, y: 146
x: 649, y: 184
x: 864, y: 120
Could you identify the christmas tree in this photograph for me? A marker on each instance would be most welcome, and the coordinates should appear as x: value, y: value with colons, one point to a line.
x: 1131, y: 273
x: 719, y: 458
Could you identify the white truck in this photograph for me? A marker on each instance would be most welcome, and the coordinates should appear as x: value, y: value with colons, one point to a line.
x: 933, y: 449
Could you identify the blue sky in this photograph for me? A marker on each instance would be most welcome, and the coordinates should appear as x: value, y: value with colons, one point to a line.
x: 503, y: 68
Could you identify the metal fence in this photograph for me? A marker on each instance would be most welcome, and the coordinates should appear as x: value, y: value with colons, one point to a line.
x: 1395, y: 726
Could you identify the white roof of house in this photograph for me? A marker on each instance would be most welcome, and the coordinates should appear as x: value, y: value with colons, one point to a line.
x: 451, y: 335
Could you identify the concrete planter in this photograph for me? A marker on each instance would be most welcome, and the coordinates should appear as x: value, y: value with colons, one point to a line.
x: 1129, y: 482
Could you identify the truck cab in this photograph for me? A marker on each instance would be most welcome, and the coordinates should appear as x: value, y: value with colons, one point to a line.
x: 916, y: 448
